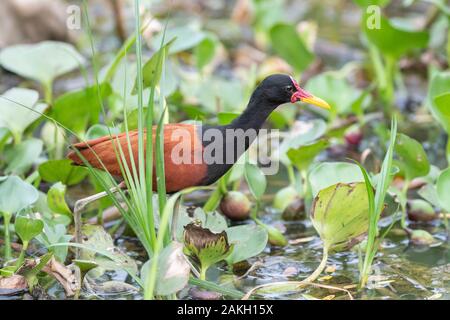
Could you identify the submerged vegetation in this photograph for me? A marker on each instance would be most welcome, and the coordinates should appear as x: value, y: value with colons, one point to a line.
x: 364, y: 184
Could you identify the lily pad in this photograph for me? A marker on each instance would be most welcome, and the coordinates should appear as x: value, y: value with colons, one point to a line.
x: 248, y: 241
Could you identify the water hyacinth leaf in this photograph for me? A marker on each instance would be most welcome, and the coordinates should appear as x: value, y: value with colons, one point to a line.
x: 62, y: 171
x: 438, y: 91
x: 442, y: 188
x: 330, y: 173
x: 340, y: 214
x: 173, y: 270
x: 333, y: 88
x: 390, y: 39
x: 77, y: 109
x: 27, y: 228
x: 284, y: 197
x: 21, y: 157
x: 212, y: 221
x: 184, y: 38
x: 205, y: 246
x: 412, y: 157
x: 303, y: 156
x: 256, y: 180
x: 205, y: 51
x: 42, y: 62
x: 429, y: 193
x: 152, y: 70
x: 15, y: 113
x: 54, y: 233
x: 100, y: 130
x: 366, y: 3
x: 294, y: 51
x: 56, y: 201
x: 16, y: 194
x: 248, y: 241
x: 98, y: 240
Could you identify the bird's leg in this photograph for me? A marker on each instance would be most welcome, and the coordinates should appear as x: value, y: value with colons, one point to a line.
x: 81, y: 204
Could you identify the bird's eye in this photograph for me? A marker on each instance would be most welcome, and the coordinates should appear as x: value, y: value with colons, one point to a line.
x: 289, y: 88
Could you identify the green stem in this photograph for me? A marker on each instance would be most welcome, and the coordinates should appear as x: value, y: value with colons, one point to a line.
x: 323, y: 263
x: 213, y: 201
x: 203, y: 272
x: 48, y: 92
x: 22, y: 255
x: 6, y: 221
x: 403, y: 204
x: 448, y: 150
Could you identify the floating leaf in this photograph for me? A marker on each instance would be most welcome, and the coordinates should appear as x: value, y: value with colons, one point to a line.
x: 77, y: 109
x: 438, y: 98
x: 303, y: 156
x: 340, y: 214
x: 290, y: 46
x: 205, y: 246
x: 62, y: 171
x: 412, y: 157
x: 56, y: 200
x: 248, y: 241
x: 173, y: 270
x: 442, y: 188
x: 256, y: 180
x: 15, y: 194
x: 330, y: 173
x: 15, y: 113
x: 390, y: 39
x: 21, y: 157
x: 42, y: 62
x: 27, y: 228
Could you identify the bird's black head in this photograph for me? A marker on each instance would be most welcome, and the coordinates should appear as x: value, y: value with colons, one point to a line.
x: 278, y: 89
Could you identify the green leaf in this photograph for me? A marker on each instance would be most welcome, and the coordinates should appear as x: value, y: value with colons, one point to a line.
x: 248, y: 241
x: 15, y: 194
x: 439, y: 98
x: 100, y: 130
x: 366, y: 3
x: 303, y: 156
x: 340, y: 214
x: 290, y: 46
x: 42, y: 62
x: 256, y: 180
x: 205, y: 51
x: 173, y: 270
x: 443, y: 189
x: 333, y: 88
x: 185, y: 38
x: 390, y: 39
x: 77, y: 109
x: 225, y: 118
x: 412, y: 157
x: 329, y: 173
x: 15, y: 113
x: 152, y: 70
x: 27, y: 228
x: 62, y: 171
x: 56, y: 201
x: 21, y: 157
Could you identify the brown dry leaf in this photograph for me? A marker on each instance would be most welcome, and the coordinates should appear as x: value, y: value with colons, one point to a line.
x: 61, y: 273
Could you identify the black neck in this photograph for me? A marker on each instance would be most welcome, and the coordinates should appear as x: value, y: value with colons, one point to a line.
x: 251, y: 120
x: 256, y: 113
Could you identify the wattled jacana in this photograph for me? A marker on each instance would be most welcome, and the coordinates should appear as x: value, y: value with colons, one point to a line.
x: 271, y: 92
